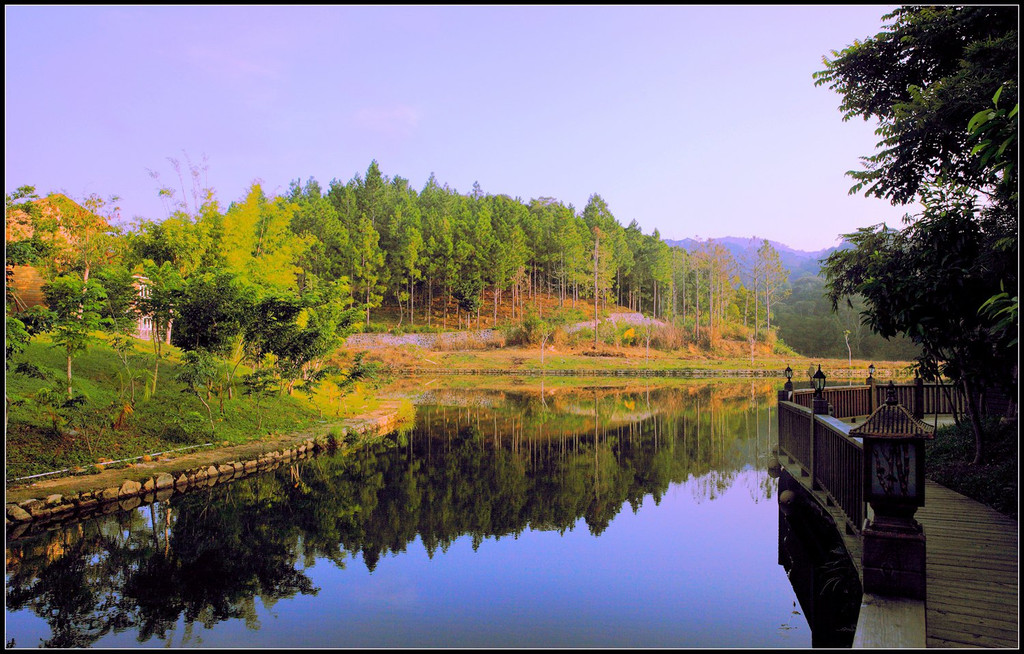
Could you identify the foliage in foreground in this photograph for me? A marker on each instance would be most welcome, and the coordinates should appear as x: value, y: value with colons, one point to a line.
x: 940, y: 83
x: 992, y: 482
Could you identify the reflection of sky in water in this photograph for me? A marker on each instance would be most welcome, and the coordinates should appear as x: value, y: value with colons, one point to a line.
x: 686, y: 573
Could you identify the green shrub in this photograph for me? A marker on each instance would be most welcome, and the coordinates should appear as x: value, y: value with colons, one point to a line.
x: 782, y: 349
x: 736, y: 331
x: 580, y: 337
x: 525, y: 333
x: 190, y: 428
x: 626, y: 334
x: 992, y: 482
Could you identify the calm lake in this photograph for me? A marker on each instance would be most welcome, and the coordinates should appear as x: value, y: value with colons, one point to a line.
x: 639, y: 516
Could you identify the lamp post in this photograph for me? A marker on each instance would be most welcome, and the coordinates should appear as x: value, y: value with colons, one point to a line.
x: 786, y: 393
x: 894, y: 546
x: 820, y: 405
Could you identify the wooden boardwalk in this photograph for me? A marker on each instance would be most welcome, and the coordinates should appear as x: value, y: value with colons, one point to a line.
x: 972, y: 572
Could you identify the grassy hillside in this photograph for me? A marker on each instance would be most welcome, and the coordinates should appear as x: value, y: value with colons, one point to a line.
x: 43, y: 438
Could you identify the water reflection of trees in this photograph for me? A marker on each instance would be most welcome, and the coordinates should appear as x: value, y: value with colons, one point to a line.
x: 536, y: 461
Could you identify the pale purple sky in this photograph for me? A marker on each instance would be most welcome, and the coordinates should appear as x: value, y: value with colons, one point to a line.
x: 698, y: 121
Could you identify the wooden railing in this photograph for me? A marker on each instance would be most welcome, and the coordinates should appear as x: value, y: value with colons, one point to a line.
x: 839, y: 468
x: 933, y: 398
x: 919, y: 397
x: 845, y: 401
x: 795, y: 433
x: 825, y: 452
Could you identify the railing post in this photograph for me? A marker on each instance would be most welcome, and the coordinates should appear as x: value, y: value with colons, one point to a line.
x: 819, y: 407
x: 918, y: 397
x: 871, y: 394
x: 786, y: 394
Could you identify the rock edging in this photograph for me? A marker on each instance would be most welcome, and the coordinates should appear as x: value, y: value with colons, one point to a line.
x: 132, y: 493
x: 39, y: 513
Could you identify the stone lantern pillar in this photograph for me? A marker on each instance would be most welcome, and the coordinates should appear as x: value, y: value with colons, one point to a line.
x: 894, y: 542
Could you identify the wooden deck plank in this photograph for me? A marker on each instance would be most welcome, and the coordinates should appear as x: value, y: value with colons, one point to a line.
x: 954, y: 611
x: 958, y: 577
x: 992, y: 565
x: 978, y: 606
x: 972, y: 572
x: 957, y: 612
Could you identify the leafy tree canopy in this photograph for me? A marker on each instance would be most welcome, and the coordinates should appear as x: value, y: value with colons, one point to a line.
x: 935, y: 78
x: 923, y: 77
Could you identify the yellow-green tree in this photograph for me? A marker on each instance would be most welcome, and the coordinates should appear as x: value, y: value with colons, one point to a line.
x: 259, y: 243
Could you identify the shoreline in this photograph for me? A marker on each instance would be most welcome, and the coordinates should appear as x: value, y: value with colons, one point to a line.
x: 54, y: 500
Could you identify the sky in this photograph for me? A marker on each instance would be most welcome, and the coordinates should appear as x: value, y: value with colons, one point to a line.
x: 696, y: 121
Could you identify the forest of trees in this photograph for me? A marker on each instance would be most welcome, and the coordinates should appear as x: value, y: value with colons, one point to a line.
x: 809, y: 324
x: 434, y: 259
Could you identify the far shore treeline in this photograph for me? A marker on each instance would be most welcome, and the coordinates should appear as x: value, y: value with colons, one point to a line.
x: 431, y: 259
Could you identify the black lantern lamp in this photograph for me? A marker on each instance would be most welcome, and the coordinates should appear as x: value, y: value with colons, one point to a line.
x: 893, y: 458
x: 820, y: 403
x: 787, y: 390
x: 870, y: 381
x: 894, y: 543
x: 819, y: 381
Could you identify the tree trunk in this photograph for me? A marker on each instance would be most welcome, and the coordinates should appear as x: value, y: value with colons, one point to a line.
x: 209, y: 411
x: 156, y: 354
x: 430, y: 300
x: 696, y: 296
x: 756, y: 308
x: 974, y: 413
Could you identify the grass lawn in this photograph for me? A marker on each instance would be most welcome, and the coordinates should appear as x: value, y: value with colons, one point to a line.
x: 108, y: 426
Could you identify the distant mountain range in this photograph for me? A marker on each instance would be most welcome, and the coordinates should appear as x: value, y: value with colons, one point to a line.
x: 799, y: 263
